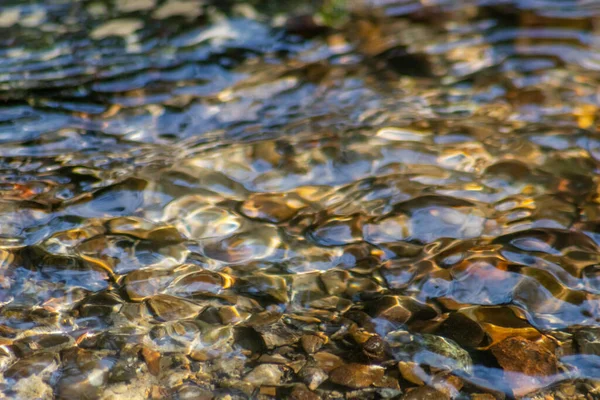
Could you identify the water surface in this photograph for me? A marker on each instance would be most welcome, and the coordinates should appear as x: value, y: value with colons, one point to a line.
x: 361, y: 199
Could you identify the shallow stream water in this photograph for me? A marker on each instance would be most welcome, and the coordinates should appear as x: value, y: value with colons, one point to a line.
x: 362, y: 199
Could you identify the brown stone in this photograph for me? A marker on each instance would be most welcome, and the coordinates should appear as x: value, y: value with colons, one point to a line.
x: 532, y: 363
x: 387, y: 382
x: 412, y: 372
x: 327, y: 361
x: 425, y: 393
x: 401, y: 309
x: 482, y: 396
x: 447, y: 384
x: 356, y: 376
x: 301, y: 392
x: 311, y: 343
x: 152, y: 359
x: 268, y: 390
x: 156, y: 392
x: 313, y: 376
x: 265, y: 375
x: 521, y: 355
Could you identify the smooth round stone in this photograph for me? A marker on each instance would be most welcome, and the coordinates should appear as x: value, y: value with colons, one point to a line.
x: 48, y: 343
x: 356, y: 376
x: 85, y: 374
x: 243, y: 247
x: 272, y: 207
x: 265, y: 375
x: 427, y: 349
x: 171, y: 308
x: 65, y: 242
x: 210, y: 222
x: 144, y: 229
x: 199, y: 340
x: 400, y: 309
x: 146, y: 282
x: 426, y: 219
x: 200, y: 282
x: 213, y: 342
x: 122, y: 254
x: 41, y: 364
x: 338, y: 231
x: 263, y: 285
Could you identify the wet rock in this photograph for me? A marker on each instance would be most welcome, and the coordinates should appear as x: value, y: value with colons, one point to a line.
x: 463, y: 330
x: 412, y: 372
x: 335, y: 282
x: 580, y: 389
x: 425, y: 393
x: 152, y: 359
x: 175, y: 371
x: 356, y: 375
x: 521, y: 355
x: 265, y: 375
x: 482, y: 396
x: 313, y: 376
x: 126, y: 367
x: 268, y: 391
x: 311, y: 343
x: 400, y: 309
x: 375, y: 348
x: 327, y: 361
x: 271, y: 207
x: 277, y: 334
x: 427, y: 218
x: 198, y: 283
x: 136, y: 388
x: 301, y: 392
x: 587, y: 340
x: 32, y: 387
x: 212, y: 342
x: 242, y: 247
x: 432, y: 350
x: 114, y: 339
x: 118, y: 199
x: 193, y: 392
x: 536, y: 363
x: 84, y: 374
x: 144, y: 229
x: 47, y: 343
x: 494, y: 322
x: 338, y: 231
x: 101, y: 304
x: 171, y: 308
x: 387, y: 382
x: 332, y: 303
x: 199, y: 340
x: 198, y: 221
x: 7, y: 357
x: 123, y: 254
x: 146, y: 282
x: 447, y: 383
x: 262, y: 285
x: 41, y: 365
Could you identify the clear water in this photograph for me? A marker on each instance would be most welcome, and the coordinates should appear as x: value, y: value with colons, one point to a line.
x: 361, y: 199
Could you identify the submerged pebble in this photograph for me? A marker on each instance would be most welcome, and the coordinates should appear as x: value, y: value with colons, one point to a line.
x: 306, y: 200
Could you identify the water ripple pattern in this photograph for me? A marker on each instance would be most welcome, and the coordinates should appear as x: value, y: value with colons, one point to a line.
x: 362, y: 199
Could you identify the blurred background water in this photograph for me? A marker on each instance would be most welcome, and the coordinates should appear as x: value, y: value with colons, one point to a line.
x: 336, y: 199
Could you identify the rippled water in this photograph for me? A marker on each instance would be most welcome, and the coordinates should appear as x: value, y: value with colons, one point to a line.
x: 230, y: 200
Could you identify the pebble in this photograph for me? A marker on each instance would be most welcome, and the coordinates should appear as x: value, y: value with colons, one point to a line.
x: 265, y: 375
x: 521, y: 355
x: 425, y: 393
x: 356, y: 375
